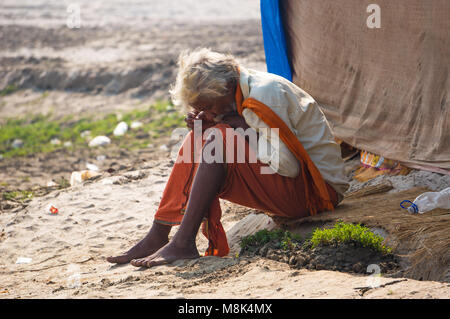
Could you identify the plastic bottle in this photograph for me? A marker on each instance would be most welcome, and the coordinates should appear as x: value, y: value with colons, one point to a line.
x: 429, y: 201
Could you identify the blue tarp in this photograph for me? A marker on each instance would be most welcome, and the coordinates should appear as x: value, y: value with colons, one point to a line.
x: 274, y: 39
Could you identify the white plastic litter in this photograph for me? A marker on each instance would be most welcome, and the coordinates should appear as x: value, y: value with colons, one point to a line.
x: 164, y: 147
x: 120, y: 129
x: 67, y: 144
x: 51, y: 184
x: 431, y: 200
x: 55, y: 141
x: 92, y: 167
x: 23, y: 260
x: 101, y: 158
x: 17, y: 143
x: 85, y: 134
x: 78, y: 177
x: 99, y: 141
x: 75, y: 178
x: 136, y: 124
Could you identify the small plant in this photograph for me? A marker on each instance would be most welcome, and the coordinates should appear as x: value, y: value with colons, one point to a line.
x: 18, y: 195
x: 62, y: 182
x: 8, y: 90
x: 283, y: 239
x: 345, y: 233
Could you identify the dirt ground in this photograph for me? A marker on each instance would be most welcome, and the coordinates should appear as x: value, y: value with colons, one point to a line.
x: 118, y: 63
x: 121, y: 58
x: 110, y: 214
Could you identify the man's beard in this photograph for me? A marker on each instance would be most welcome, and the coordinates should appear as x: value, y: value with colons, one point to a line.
x: 219, y: 117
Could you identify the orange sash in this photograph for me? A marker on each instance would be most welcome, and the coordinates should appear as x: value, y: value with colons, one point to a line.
x: 317, y: 196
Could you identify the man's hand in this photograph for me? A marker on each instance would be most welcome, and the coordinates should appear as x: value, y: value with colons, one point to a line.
x: 189, y: 119
x: 235, y: 121
x: 195, y: 115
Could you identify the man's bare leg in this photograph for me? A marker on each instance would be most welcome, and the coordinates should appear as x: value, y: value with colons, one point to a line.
x: 156, y: 238
x: 207, y: 183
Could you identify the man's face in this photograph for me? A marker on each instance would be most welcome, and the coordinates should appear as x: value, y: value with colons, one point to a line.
x: 213, y: 108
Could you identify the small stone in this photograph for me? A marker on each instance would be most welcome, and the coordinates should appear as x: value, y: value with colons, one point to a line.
x: 263, y: 251
x: 23, y: 260
x: 134, y: 175
x: 55, y: 141
x: 300, y: 260
x: 51, y: 184
x: 271, y: 254
x: 142, y: 136
x: 292, y: 260
x: 17, y: 143
x: 164, y: 148
x: 120, y: 129
x: 136, y: 124
x: 320, y: 267
x: 92, y: 167
x: 85, y: 134
x: 99, y: 141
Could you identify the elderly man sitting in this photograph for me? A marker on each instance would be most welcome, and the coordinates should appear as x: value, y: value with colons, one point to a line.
x: 295, y: 172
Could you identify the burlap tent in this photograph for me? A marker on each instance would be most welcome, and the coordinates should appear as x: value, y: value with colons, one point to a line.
x: 384, y: 90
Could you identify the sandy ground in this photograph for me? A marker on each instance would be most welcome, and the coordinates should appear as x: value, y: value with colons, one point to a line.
x: 122, y: 57
x: 109, y: 215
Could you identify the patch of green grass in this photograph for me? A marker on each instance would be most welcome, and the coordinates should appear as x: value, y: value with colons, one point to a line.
x: 347, y: 232
x: 62, y: 182
x: 18, y: 195
x: 8, y: 90
x: 282, y: 239
x: 37, y: 132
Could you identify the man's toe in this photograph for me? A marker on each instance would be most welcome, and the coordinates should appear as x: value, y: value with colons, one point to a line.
x: 136, y: 262
x: 122, y: 259
x: 156, y: 262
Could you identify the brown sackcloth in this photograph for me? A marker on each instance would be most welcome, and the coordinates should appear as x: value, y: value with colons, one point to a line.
x: 383, y: 90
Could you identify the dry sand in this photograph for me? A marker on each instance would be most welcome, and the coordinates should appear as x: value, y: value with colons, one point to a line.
x: 110, y: 214
x: 123, y: 57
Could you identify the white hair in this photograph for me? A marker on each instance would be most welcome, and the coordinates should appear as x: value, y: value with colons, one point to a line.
x: 203, y: 73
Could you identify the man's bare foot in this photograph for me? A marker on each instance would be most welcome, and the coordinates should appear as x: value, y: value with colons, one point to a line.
x: 156, y: 238
x: 166, y: 255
